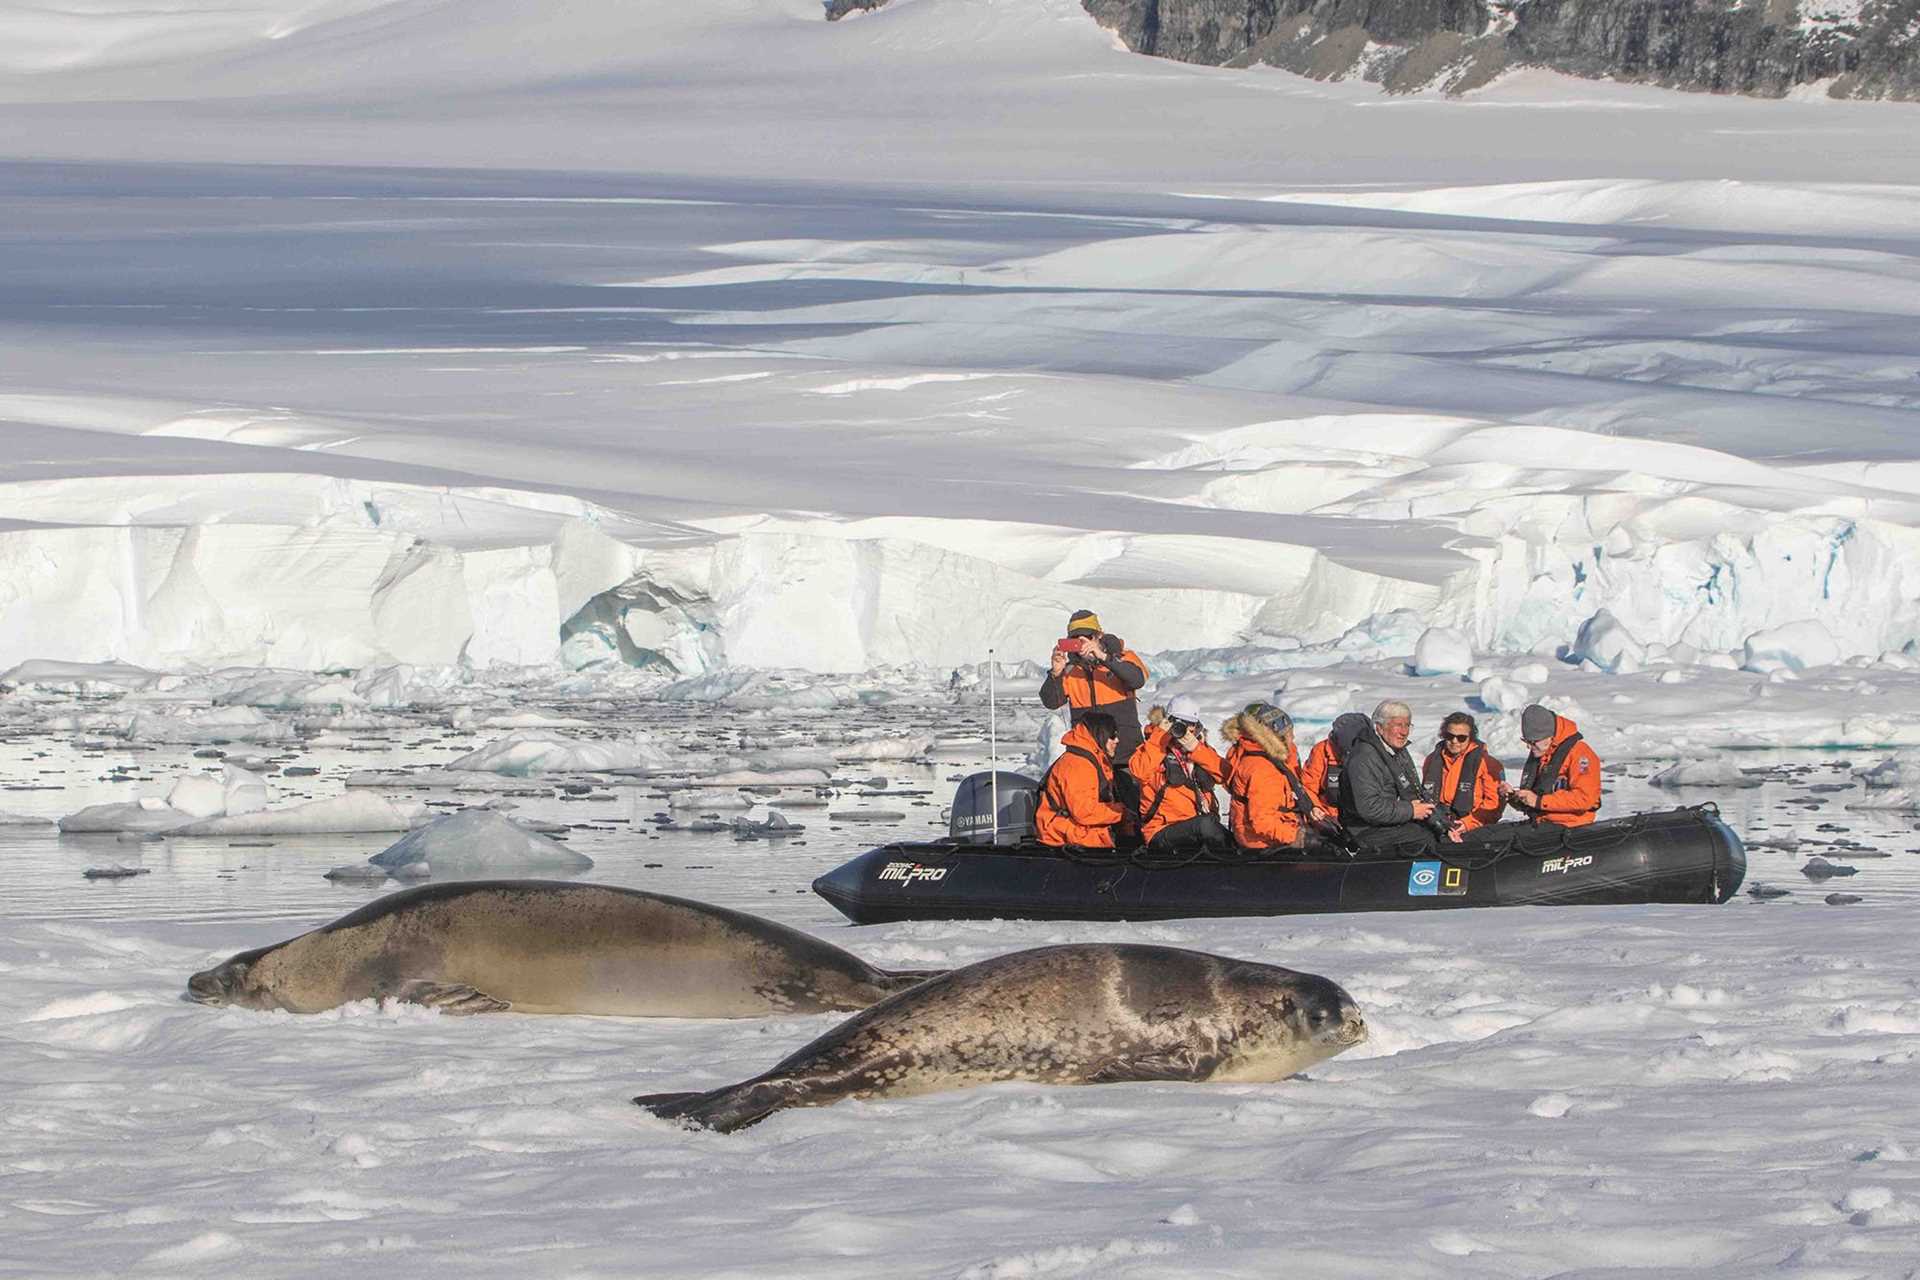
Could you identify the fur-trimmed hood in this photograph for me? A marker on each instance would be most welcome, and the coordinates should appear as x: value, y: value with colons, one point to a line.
x: 1245, y: 726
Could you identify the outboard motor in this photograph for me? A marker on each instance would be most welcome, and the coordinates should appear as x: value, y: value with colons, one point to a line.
x: 971, y: 819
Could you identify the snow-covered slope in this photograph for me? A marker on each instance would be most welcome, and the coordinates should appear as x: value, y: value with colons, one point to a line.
x: 1229, y: 358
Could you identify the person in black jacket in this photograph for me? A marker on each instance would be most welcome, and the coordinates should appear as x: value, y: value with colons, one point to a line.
x: 1381, y: 798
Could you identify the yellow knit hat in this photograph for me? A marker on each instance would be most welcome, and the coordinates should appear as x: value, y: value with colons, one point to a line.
x: 1084, y: 620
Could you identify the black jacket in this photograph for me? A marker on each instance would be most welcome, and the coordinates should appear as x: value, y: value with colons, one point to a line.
x: 1378, y: 784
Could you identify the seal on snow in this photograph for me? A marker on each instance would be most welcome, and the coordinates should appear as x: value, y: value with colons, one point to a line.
x: 1089, y: 1014
x: 539, y: 946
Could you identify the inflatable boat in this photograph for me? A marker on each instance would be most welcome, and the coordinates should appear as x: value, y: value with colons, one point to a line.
x: 1681, y: 856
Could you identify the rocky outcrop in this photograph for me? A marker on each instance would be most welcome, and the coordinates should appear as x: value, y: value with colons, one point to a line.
x: 1862, y: 48
x: 1858, y: 48
x: 1764, y: 47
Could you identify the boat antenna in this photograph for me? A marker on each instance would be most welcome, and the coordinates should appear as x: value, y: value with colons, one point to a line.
x: 993, y: 742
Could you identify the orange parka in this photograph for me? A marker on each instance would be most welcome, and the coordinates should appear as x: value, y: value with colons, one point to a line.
x: 1442, y: 773
x: 1266, y: 812
x: 1077, y: 805
x: 1174, y: 785
x: 1317, y: 772
x: 1567, y: 778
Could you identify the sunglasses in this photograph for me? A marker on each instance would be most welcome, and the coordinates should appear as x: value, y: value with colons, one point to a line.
x: 1457, y: 737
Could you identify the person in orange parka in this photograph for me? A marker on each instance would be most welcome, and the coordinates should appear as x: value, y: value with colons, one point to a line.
x: 1271, y: 804
x: 1320, y: 771
x: 1176, y: 772
x: 1561, y: 783
x: 1463, y: 777
x: 1077, y: 804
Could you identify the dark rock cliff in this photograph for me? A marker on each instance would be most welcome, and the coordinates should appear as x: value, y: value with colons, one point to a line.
x: 1865, y: 48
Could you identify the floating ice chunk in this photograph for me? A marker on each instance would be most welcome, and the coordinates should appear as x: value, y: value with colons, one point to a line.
x: 1717, y: 771
x: 1605, y: 642
x: 199, y: 796
x: 357, y: 871
x: 354, y: 811
x: 476, y: 842
x: 287, y: 690
x: 1504, y: 695
x: 1529, y: 673
x: 245, y: 792
x: 1891, y: 772
x: 530, y: 751
x: 16, y: 820
x: 125, y: 815
x: 1442, y: 651
x: 1793, y: 647
x: 702, y: 800
x: 773, y: 827
x: 884, y: 749
x: 529, y: 720
x: 79, y: 677
x: 769, y: 778
x: 237, y: 724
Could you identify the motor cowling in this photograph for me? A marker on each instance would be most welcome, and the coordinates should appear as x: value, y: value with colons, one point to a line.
x: 972, y: 818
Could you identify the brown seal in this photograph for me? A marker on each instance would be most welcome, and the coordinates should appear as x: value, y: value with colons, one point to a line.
x: 539, y: 946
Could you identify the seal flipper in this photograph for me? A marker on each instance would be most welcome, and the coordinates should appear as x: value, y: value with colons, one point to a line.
x: 1175, y: 1064
x: 723, y: 1110
x: 902, y: 979
x: 454, y: 998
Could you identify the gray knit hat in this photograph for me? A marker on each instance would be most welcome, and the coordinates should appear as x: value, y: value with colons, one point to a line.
x: 1271, y: 717
x: 1537, y: 723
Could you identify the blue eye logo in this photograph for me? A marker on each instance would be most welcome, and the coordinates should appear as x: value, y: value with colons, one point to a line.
x: 1423, y: 877
x: 1423, y: 880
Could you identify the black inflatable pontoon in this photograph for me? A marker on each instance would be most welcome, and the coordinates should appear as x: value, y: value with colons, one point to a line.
x: 1686, y: 855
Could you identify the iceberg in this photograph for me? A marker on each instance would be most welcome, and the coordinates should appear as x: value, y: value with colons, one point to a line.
x: 149, y: 815
x: 1717, y: 771
x: 1442, y: 651
x: 356, y: 811
x: 530, y: 751
x: 477, y: 842
x: 1793, y: 647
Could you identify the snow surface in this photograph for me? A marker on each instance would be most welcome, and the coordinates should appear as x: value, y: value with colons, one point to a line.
x: 1713, y: 1091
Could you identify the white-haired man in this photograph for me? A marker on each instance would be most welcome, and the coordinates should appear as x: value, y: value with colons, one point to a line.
x: 1381, y: 800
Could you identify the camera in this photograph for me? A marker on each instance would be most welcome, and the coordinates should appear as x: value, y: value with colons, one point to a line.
x: 1074, y: 647
x: 1440, y: 821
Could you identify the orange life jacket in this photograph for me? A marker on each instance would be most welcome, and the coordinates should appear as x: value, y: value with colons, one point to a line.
x: 1318, y: 774
x: 1174, y: 785
x: 1270, y: 800
x: 1472, y: 799
x: 1077, y: 805
x: 1567, y: 779
x: 1090, y: 688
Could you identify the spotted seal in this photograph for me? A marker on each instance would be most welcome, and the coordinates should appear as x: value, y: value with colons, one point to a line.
x: 1088, y: 1014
